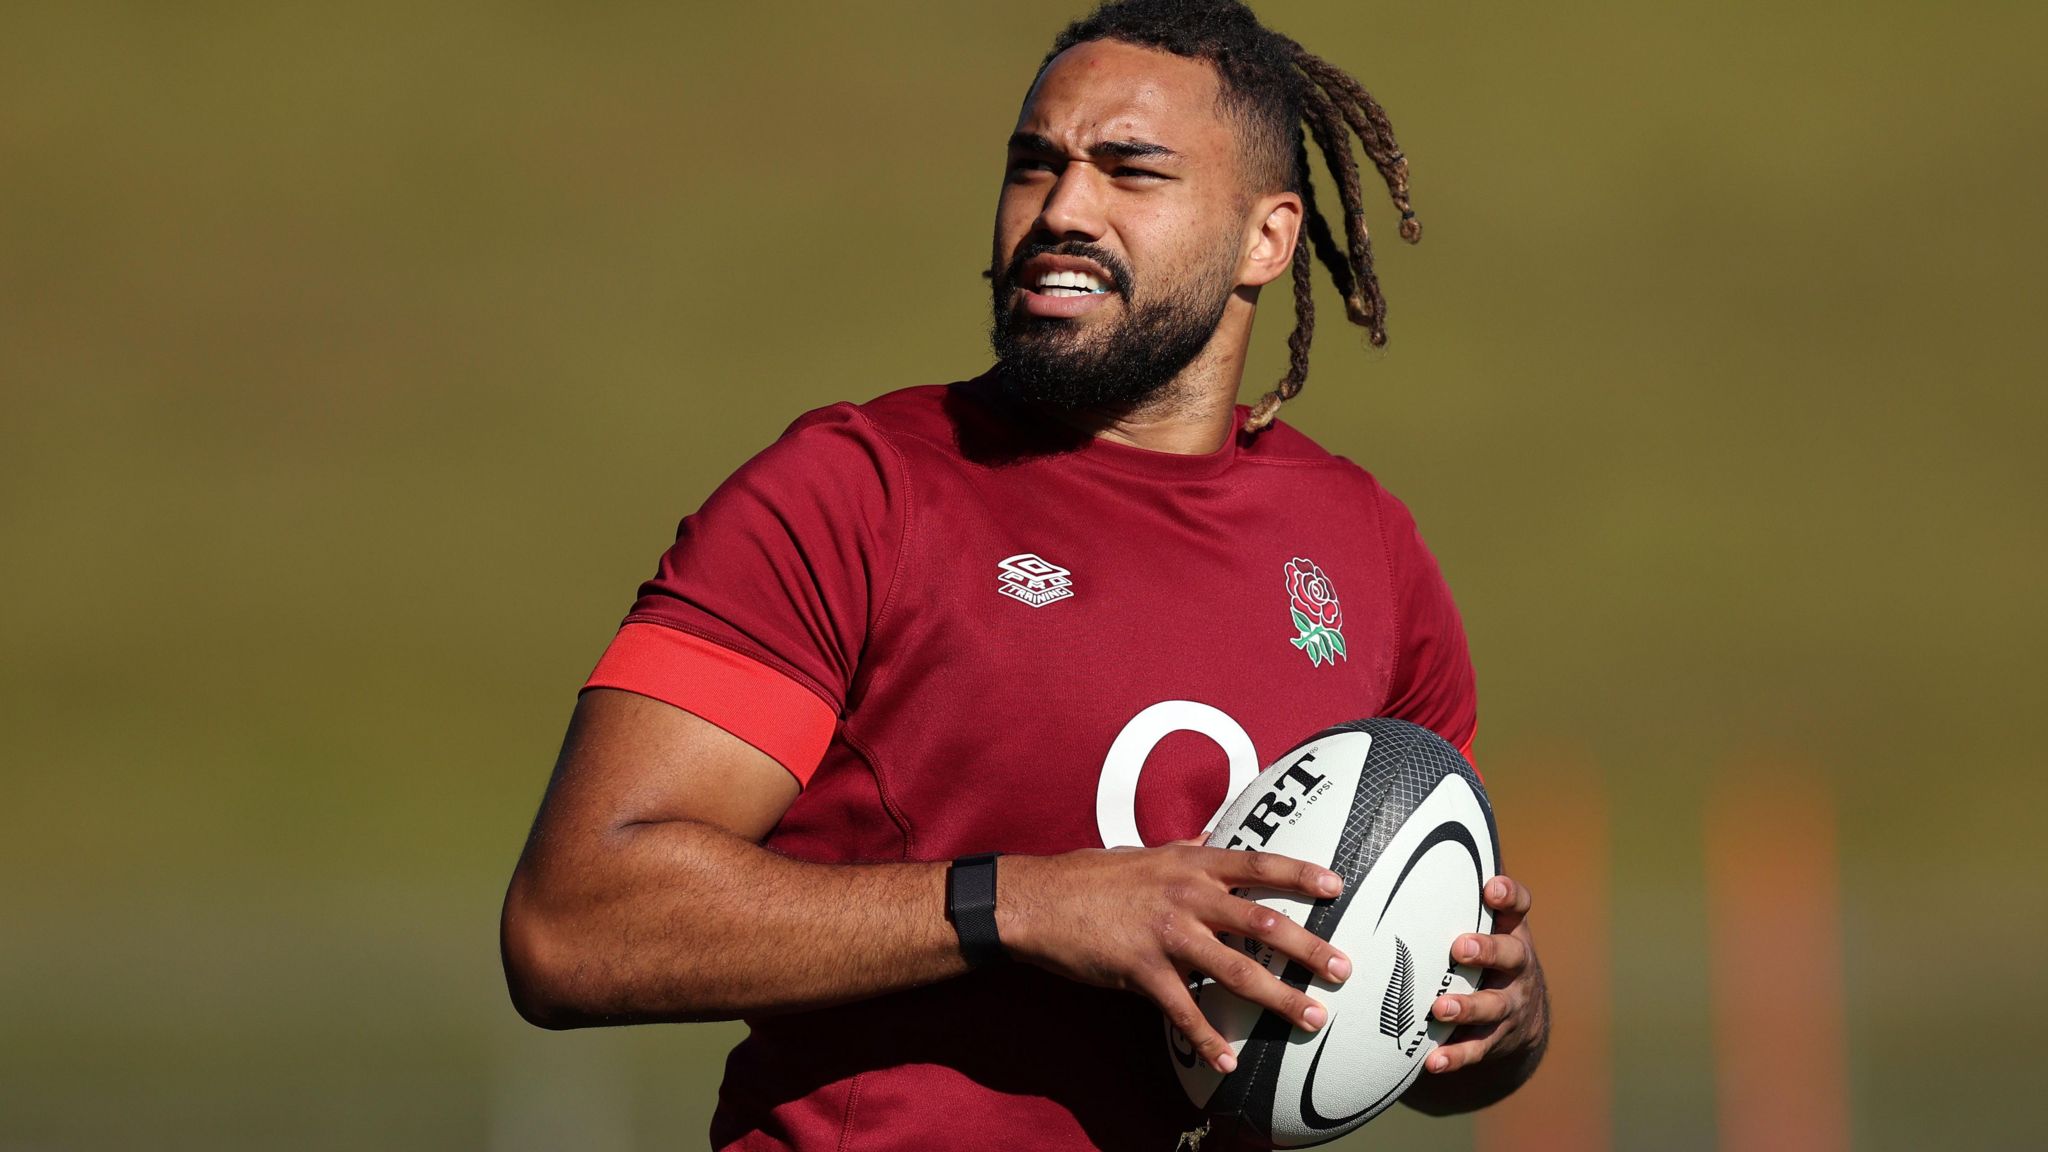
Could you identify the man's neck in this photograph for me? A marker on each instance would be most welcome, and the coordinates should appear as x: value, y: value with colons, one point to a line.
x: 1194, y: 414
x: 1190, y: 432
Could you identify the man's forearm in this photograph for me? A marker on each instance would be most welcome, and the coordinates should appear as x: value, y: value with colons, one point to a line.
x: 683, y: 921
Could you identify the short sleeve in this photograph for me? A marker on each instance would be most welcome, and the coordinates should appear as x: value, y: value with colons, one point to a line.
x: 1433, y: 683
x: 756, y: 616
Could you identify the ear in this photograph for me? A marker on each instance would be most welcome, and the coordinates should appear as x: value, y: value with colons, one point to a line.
x: 1271, y: 229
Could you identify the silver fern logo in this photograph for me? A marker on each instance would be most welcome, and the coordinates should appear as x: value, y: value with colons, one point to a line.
x: 1397, y: 1008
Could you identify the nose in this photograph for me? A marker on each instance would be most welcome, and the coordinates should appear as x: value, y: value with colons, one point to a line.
x: 1073, y: 207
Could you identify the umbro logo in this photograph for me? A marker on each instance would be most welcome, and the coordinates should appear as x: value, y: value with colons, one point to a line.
x: 1033, y: 579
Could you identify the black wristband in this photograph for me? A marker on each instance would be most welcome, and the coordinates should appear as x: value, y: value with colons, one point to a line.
x: 971, y: 906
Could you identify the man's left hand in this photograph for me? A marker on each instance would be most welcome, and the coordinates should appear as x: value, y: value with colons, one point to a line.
x: 1509, y: 1014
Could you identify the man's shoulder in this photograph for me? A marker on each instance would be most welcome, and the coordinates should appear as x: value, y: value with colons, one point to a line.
x: 965, y: 422
x: 867, y: 437
x: 1282, y: 444
x: 924, y: 412
x: 1341, y: 486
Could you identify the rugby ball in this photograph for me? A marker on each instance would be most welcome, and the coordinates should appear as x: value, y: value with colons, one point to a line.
x: 1397, y: 812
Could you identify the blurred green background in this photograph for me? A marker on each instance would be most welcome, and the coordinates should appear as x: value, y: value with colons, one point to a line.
x: 359, y: 359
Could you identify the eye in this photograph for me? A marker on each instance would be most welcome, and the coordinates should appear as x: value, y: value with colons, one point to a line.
x: 1027, y: 164
x: 1129, y: 173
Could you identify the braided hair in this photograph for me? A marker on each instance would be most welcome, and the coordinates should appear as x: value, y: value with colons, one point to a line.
x: 1282, y: 96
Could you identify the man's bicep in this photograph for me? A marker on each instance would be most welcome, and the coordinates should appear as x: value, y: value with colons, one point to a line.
x: 631, y: 759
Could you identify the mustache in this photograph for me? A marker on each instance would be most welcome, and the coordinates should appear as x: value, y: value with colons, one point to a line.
x: 1119, y: 272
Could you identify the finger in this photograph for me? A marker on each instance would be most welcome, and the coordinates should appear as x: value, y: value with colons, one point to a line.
x: 1509, y: 901
x: 1251, y: 982
x: 1463, y: 1054
x: 1271, y: 870
x: 1498, y: 952
x: 1234, y: 914
x: 1483, y: 1007
x: 1179, y: 1007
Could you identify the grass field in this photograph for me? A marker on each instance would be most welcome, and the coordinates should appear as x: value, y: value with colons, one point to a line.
x: 358, y: 362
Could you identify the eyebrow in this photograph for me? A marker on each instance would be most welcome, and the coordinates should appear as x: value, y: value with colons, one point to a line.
x: 1107, y: 149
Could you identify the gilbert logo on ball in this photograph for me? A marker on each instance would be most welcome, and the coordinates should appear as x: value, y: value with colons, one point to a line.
x: 1397, y: 812
x: 1317, y: 616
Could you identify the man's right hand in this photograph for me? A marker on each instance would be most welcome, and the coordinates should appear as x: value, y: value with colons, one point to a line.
x: 1141, y: 919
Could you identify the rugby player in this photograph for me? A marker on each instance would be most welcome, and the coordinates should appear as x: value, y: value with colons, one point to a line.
x: 1057, y: 612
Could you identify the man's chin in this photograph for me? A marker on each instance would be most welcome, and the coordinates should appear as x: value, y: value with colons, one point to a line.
x: 1050, y: 354
x: 1066, y: 380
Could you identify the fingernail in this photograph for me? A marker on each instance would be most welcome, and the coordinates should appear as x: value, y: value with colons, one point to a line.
x: 1468, y: 949
x: 1340, y: 968
x: 1330, y: 885
x: 1447, y: 1009
x: 1438, y: 1061
x: 1226, y: 1063
x: 1498, y: 889
x: 1315, y: 1016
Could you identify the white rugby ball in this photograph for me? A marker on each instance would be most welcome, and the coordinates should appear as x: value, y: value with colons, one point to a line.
x: 1398, y: 813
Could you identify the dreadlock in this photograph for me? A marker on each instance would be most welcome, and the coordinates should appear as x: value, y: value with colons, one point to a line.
x: 1282, y: 96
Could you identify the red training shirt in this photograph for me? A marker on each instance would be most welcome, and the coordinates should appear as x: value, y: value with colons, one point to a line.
x: 963, y: 631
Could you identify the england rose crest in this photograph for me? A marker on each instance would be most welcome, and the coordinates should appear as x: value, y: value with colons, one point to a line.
x: 1317, y: 615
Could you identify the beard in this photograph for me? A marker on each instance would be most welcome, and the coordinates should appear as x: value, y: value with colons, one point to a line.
x: 1059, y: 364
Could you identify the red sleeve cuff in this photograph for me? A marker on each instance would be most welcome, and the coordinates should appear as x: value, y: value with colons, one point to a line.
x: 745, y: 697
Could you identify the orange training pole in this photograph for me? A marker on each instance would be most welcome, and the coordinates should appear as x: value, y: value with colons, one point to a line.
x: 1774, y: 911
x: 1554, y: 838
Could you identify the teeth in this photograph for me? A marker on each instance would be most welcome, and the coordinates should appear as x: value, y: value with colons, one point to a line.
x: 1083, y: 282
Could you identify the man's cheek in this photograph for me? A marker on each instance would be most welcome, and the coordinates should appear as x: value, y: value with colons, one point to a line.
x: 1013, y: 224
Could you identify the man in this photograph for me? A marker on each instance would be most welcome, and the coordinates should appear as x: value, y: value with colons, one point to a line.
x: 1051, y: 613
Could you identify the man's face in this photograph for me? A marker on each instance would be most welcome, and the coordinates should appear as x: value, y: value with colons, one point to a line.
x: 1119, y: 230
